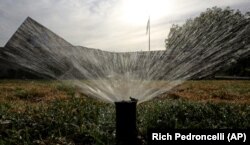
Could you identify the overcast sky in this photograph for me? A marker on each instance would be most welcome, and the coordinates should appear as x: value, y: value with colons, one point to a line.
x: 113, y: 25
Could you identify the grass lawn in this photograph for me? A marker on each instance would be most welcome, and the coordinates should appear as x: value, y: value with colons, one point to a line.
x: 47, y: 112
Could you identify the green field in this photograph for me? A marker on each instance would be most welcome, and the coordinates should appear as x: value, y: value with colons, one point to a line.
x: 47, y: 112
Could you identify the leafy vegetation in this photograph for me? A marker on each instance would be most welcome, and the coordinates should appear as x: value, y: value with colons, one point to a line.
x: 185, y: 114
x: 212, y: 28
x: 73, y: 121
x: 239, y: 68
x: 212, y: 20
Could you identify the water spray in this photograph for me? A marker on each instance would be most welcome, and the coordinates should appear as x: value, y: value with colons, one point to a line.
x: 113, y: 76
x: 126, y: 132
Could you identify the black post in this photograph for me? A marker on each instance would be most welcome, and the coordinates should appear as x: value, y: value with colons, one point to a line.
x: 126, y: 132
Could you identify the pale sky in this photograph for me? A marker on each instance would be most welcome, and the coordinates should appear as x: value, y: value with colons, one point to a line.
x: 112, y: 25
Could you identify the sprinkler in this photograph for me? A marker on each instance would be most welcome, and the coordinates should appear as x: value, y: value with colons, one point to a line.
x: 126, y: 132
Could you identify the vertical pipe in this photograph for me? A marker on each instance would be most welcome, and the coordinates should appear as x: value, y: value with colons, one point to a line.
x: 149, y: 35
x: 126, y: 132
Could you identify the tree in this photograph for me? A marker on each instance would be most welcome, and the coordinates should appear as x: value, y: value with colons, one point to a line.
x: 200, y: 30
x: 214, y: 38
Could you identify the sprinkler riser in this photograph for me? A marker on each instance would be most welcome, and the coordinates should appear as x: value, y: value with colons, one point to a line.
x: 126, y: 132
